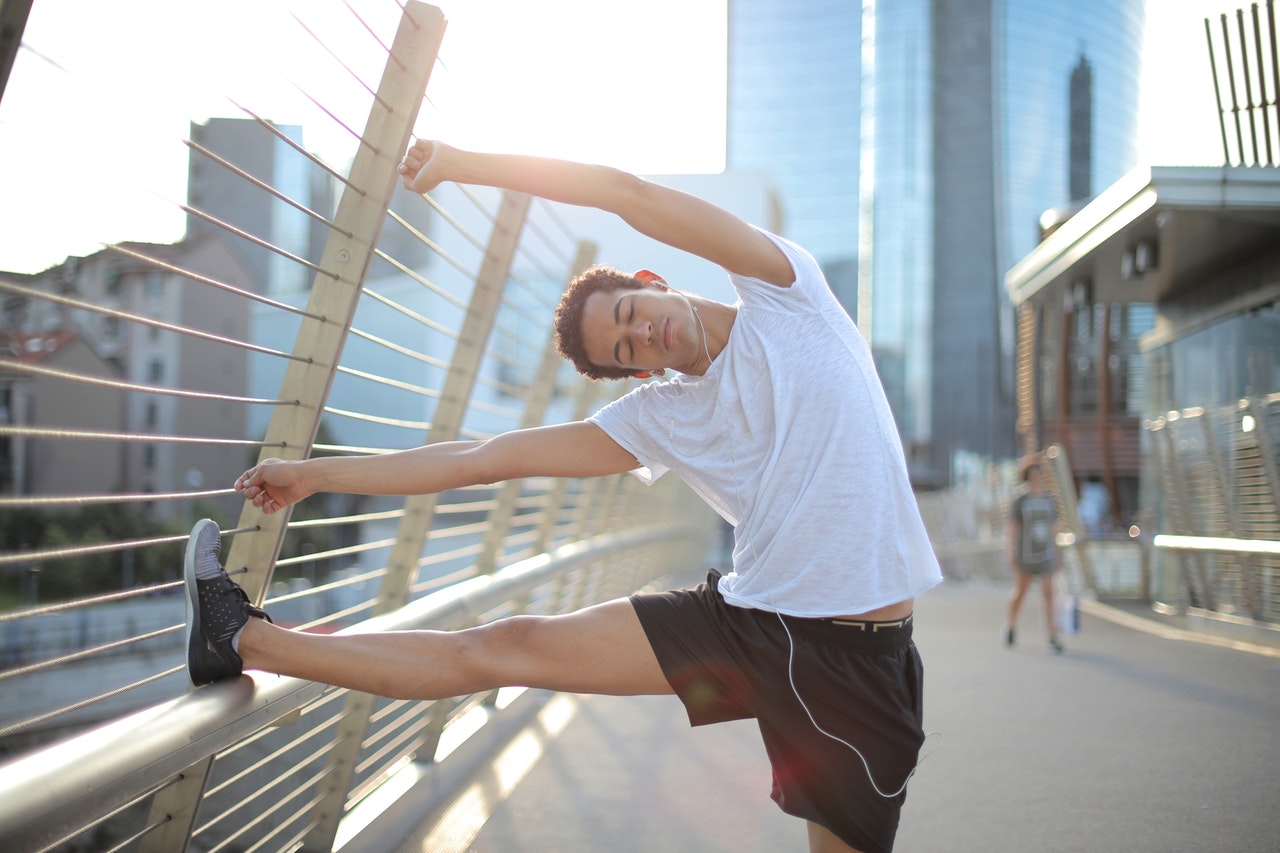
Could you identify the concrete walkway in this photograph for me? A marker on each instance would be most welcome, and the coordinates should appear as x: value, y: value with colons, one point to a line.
x: 1130, y: 741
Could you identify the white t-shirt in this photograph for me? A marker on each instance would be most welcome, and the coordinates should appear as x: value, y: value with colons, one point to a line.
x: 790, y: 438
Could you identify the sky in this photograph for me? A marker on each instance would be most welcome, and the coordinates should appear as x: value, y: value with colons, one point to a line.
x: 101, y: 95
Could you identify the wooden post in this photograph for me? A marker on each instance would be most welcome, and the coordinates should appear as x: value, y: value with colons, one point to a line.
x: 535, y: 412
x: 1064, y: 485
x: 402, y: 568
x: 1222, y: 480
x: 586, y: 396
x: 334, y: 295
x: 347, y: 255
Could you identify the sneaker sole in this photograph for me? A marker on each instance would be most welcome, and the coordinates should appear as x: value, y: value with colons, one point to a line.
x: 195, y: 672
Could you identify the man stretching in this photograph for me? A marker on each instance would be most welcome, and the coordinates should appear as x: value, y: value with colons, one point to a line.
x: 775, y: 417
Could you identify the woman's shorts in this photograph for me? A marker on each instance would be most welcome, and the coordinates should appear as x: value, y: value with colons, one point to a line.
x: 859, y: 682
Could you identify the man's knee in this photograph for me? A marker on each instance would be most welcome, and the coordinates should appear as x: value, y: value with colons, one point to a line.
x: 503, y: 652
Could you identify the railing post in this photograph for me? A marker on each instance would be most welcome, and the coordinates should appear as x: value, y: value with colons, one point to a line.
x: 1027, y: 425
x: 585, y: 397
x: 334, y: 295
x: 585, y: 520
x: 535, y: 412
x: 455, y: 394
x: 336, y: 292
x: 1266, y: 447
x: 402, y: 567
x: 1227, y: 497
x: 1060, y: 472
x: 1178, y: 493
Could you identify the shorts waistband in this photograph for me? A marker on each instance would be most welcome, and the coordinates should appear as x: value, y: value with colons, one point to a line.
x: 873, y: 627
x: 852, y: 633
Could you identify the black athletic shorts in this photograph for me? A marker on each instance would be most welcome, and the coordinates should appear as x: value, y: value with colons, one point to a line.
x: 862, y: 682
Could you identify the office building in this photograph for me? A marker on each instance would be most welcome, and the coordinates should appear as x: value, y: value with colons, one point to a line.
x: 977, y: 118
x: 793, y: 91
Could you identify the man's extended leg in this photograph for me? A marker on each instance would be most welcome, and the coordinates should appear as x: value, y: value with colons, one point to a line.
x: 823, y: 840
x: 601, y: 649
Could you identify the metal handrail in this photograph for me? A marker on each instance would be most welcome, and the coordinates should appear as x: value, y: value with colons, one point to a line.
x: 1171, y: 542
x: 142, y: 780
x: 55, y: 792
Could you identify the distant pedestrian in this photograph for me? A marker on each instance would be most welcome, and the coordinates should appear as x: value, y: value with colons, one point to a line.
x: 1032, y: 549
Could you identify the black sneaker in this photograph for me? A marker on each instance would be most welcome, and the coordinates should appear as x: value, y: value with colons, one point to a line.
x: 217, y: 608
x: 1008, y: 637
x: 1055, y: 646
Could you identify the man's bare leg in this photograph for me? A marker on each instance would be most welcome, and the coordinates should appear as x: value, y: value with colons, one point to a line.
x: 601, y: 649
x: 823, y: 840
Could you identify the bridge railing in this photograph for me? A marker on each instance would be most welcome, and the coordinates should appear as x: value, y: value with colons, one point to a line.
x: 139, y: 382
x: 275, y: 738
x: 1220, y: 496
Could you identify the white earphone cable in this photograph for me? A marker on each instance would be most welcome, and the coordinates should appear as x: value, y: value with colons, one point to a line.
x: 733, y: 458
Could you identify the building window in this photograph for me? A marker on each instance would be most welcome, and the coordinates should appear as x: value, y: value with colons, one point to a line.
x: 1049, y: 340
x: 155, y: 371
x: 155, y: 284
x: 1083, y: 355
x: 1219, y: 365
x: 15, y: 308
x: 1128, y: 323
x: 149, y: 457
x: 153, y: 414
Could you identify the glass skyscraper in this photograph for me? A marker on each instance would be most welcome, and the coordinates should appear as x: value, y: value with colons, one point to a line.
x: 896, y: 198
x: 793, y: 89
x: 915, y: 145
x: 977, y: 116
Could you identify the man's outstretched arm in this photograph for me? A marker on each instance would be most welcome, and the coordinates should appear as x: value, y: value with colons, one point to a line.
x: 578, y: 449
x: 667, y: 215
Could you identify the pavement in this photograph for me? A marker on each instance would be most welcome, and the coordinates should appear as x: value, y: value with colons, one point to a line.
x: 1133, y: 740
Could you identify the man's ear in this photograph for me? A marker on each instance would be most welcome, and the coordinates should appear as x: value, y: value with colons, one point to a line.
x: 650, y: 277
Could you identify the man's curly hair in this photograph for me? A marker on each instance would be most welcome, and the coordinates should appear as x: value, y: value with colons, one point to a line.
x: 568, y: 319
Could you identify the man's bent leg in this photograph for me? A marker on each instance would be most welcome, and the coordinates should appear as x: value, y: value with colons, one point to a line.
x: 601, y: 649
x: 823, y: 840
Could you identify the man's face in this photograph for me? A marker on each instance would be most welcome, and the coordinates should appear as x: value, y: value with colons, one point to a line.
x: 648, y: 329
